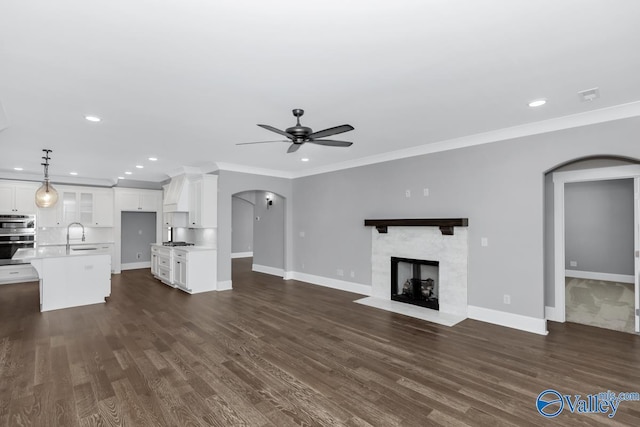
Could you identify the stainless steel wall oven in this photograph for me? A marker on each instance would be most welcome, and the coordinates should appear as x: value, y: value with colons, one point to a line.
x: 16, y: 231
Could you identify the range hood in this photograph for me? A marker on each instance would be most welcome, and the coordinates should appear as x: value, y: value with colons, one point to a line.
x: 176, y: 195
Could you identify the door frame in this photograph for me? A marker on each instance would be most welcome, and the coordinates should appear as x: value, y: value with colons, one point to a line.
x: 557, y: 314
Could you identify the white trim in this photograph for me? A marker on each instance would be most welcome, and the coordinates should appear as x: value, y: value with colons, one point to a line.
x: 422, y: 313
x: 608, y: 277
x: 224, y: 285
x: 616, y: 112
x: 510, y: 320
x: 559, y: 181
x: 267, y: 270
x: 288, y: 275
x: 551, y: 313
x: 135, y: 265
x: 242, y: 255
x: 342, y: 285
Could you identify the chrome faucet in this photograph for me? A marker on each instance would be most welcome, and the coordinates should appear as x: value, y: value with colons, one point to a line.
x: 68, y: 227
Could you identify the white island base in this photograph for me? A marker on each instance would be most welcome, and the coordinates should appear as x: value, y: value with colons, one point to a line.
x: 71, y: 281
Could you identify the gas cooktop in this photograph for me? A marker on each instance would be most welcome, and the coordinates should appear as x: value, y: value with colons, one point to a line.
x: 177, y: 244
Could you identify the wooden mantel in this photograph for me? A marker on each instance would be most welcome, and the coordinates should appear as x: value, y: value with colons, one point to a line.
x: 446, y: 224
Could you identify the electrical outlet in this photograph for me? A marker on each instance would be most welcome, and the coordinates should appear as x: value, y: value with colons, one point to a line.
x: 352, y: 274
x: 340, y: 272
x: 407, y: 193
x: 138, y: 255
x: 302, y: 234
x: 573, y: 263
x: 506, y: 299
x: 425, y: 192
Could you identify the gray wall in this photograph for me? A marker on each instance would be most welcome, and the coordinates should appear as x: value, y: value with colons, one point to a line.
x: 599, y: 226
x: 498, y: 186
x: 230, y: 183
x: 269, y: 231
x: 138, y: 233
x: 241, y: 225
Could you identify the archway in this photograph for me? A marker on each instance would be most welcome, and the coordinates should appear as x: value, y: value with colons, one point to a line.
x: 597, y: 174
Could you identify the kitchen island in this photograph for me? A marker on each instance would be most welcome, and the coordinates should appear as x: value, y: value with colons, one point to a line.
x: 69, y: 279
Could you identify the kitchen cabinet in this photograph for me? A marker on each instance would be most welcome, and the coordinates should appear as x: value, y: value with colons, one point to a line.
x: 161, y: 259
x: 175, y: 219
x: 138, y: 200
x: 17, y: 273
x: 191, y: 269
x: 18, y: 198
x: 203, y: 202
x: 92, y: 207
x: 176, y: 195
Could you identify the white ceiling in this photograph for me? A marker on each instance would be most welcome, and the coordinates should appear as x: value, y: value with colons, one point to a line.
x: 186, y: 80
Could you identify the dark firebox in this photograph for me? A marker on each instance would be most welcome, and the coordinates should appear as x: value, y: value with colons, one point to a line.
x: 415, y: 281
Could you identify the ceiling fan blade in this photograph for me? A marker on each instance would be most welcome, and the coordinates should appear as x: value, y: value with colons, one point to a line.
x: 281, y: 132
x: 260, y: 142
x: 331, y: 131
x: 331, y: 143
x: 293, y: 148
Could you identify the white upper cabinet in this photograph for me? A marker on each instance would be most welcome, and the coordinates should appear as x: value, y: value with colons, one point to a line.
x: 18, y: 198
x: 130, y: 199
x: 203, y: 202
x: 92, y: 207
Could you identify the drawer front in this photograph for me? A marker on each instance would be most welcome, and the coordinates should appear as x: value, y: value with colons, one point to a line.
x: 164, y: 275
x: 17, y: 273
x: 163, y: 261
x: 180, y: 255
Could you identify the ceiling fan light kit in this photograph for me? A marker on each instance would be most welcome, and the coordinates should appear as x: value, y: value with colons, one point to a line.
x: 299, y: 134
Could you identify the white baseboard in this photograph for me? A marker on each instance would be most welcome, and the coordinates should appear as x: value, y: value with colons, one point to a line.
x: 288, y: 275
x: 224, y: 285
x: 242, y: 255
x: 510, y: 320
x: 551, y: 313
x: 135, y: 265
x: 342, y: 285
x: 593, y: 275
x: 268, y: 270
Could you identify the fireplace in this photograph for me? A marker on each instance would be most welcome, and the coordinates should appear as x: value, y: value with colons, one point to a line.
x: 415, y: 281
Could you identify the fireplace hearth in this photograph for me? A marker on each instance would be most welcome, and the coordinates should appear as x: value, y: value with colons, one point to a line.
x: 415, y: 281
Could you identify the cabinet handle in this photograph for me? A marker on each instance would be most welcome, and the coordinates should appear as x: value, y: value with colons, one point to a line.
x: 14, y: 272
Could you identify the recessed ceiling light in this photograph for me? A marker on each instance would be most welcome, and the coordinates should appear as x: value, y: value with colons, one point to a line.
x: 73, y: 173
x: 139, y: 166
x: 92, y: 118
x: 17, y: 169
x: 537, y: 103
x: 153, y: 159
x: 128, y: 173
x: 304, y: 159
x: 121, y: 177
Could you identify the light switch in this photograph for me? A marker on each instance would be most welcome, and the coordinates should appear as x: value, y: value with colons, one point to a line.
x: 407, y: 193
x: 484, y: 241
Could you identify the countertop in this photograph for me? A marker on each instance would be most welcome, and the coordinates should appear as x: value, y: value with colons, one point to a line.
x: 27, y: 254
x: 186, y: 248
x: 41, y: 245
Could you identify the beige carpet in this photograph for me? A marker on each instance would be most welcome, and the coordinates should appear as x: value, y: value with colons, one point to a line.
x: 598, y: 303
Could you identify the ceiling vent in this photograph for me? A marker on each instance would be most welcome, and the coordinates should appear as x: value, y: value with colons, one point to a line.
x: 589, y: 94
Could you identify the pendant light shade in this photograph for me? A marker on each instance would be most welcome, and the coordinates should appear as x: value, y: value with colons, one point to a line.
x: 46, y: 195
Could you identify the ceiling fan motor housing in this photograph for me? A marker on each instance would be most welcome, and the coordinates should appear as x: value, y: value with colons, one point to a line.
x: 300, y: 132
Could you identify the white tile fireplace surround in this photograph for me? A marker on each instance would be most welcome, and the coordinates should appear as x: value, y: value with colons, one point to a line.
x: 426, y: 243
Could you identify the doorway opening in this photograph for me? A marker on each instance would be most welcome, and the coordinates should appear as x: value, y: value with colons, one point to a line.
x: 594, y: 240
x: 138, y: 232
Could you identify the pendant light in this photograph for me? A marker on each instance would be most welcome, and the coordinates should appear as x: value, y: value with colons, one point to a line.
x: 46, y: 195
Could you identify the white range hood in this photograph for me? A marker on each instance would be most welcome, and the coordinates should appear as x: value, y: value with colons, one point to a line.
x: 176, y: 196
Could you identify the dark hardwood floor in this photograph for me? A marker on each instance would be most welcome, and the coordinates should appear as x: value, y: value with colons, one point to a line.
x: 279, y: 353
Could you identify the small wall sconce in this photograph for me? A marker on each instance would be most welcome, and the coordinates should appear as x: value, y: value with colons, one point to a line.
x: 269, y: 200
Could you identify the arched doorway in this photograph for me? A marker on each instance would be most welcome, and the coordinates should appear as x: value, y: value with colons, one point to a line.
x: 258, y: 230
x: 609, y: 227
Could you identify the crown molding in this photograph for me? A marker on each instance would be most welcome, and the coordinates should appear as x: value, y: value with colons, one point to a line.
x: 232, y: 167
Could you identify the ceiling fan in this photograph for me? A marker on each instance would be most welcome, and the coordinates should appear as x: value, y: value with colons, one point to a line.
x: 299, y: 134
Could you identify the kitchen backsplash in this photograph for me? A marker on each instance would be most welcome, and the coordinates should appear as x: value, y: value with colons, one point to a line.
x: 54, y: 235
x: 199, y: 236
